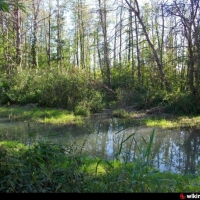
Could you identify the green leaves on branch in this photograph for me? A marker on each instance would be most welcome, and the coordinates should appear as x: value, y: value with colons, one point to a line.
x: 4, y: 6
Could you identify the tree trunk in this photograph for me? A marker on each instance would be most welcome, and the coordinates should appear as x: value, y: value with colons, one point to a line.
x: 35, y: 31
x: 138, y: 51
x: 17, y: 14
x: 136, y: 11
x: 103, y: 15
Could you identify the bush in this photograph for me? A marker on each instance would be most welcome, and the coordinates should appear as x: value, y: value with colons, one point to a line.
x: 130, y: 97
x: 95, y: 101
x: 82, y: 109
x: 43, y: 167
x: 4, y: 87
x: 120, y: 113
x: 52, y: 89
x: 182, y: 103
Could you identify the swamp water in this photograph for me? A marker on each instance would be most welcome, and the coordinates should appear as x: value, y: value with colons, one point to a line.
x: 173, y: 150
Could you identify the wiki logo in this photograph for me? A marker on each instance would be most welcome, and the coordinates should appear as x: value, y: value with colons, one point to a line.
x: 189, y: 196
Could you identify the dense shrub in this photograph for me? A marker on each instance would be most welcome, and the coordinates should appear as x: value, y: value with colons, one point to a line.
x: 75, y: 91
x: 52, y: 89
x: 131, y: 97
x: 42, y: 167
x: 182, y: 103
x: 4, y: 88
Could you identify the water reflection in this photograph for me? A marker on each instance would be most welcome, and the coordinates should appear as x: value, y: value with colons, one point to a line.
x: 192, y: 150
x: 173, y: 150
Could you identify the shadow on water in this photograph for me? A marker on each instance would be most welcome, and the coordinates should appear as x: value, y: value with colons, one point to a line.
x: 173, y: 150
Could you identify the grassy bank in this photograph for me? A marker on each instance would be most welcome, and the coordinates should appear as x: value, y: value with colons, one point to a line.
x: 36, y: 114
x: 61, y: 116
x: 50, y: 168
x: 162, y: 120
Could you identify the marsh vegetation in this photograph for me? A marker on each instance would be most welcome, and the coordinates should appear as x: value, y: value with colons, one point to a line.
x: 100, y: 97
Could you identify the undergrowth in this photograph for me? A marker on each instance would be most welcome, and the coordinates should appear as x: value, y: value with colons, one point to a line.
x: 51, y: 168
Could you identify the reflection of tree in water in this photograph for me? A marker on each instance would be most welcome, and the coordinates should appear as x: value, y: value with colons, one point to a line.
x: 173, y: 150
x: 176, y: 150
x: 101, y: 140
x: 192, y: 151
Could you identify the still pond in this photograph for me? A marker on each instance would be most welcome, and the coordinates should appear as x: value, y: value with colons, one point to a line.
x: 173, y: 150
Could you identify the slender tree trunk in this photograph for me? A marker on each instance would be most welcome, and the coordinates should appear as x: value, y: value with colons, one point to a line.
x: 129, y: 39
x: 17, y: 14
x: 94, y: 56
x: 77, y: 44
x: 115, y: 45
x: 36, y: 9
x: 82, y: 36
x: 6, y: 52
x: 59, y: 45
x: 138, y: 51
x: 136, y: 11
x: 120, y: 38
x: 35, y: 45
x: 48, y: 48
x: 160, y: 37
x: 132, y: 52
x: 99, y: 56
x: 197, y: 54
x: 103, y: 15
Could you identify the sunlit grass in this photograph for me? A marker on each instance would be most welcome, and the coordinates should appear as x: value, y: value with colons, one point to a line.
x: 159, y: 120
x: 43, y: 115
x: 160, y: 123
x: 57, y: 116
x: 62, y: 119
x: 92, y: 168
x: 12, y: 147
x: 121, y: 113
x: 192, y: 121
x: 174, y: 122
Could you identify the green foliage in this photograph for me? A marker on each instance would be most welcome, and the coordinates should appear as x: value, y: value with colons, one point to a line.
x: 182, y: 103
x: 43, y: 167
x: 75, y: 91
x: 121, y: 77
x: 131, y: 97
x: 52, y: 89
x: 53, y: 168
x: 4, y: 88
x: 95, y: 102
x: 82, y: 109
x: 31, y: 112
x: 120, y: 113
x: 174, y: 102
x: 155, y: 98
x: 25, y: 88
x: 4, y: 6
